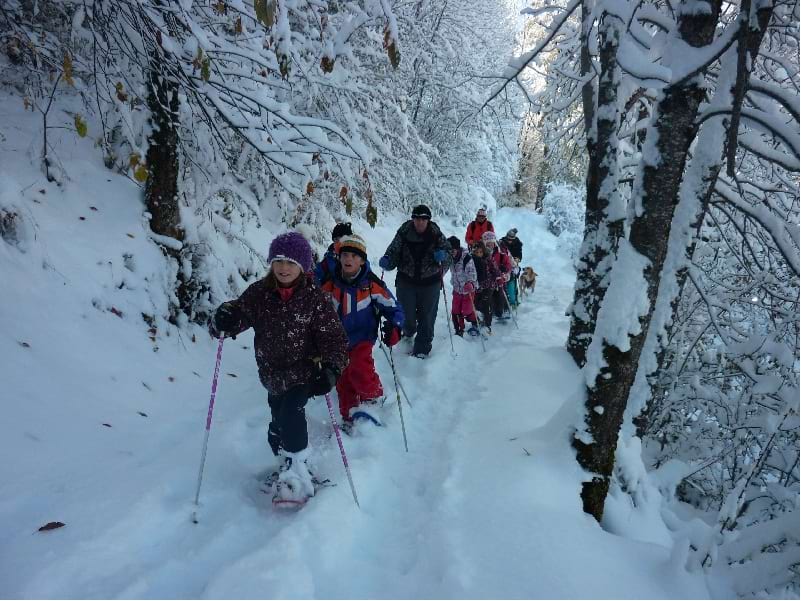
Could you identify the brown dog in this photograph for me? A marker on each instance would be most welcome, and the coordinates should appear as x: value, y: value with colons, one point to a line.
x: 528, y: 279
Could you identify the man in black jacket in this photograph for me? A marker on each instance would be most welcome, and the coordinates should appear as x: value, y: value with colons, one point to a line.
x: 420, y: 252
x: 514, y: 244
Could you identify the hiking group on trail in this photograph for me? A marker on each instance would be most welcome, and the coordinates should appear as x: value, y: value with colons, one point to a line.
x: 315, y: 326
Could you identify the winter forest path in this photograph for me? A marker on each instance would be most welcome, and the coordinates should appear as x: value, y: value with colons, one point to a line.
x: 484, y: 505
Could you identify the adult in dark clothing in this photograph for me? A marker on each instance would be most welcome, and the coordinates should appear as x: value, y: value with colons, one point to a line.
x: 514, y: 244
x: 421, y: 253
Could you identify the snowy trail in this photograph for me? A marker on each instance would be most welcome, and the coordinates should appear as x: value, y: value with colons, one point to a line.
x: 484, y: 505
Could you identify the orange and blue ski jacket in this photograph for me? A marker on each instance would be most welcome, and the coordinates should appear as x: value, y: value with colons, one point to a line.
x: 361, y: 303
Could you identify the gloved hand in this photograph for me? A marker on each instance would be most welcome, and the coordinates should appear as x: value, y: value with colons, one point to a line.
x: 505, y: 277
x: 383, y: 262
x: 439, y: 256
x: 469, y: 288
x: 500, y: 281
x: 225, y: 320
x: 391, y: 333
x: 326, y: 380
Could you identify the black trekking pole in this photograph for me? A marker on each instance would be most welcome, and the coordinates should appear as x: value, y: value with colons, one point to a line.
x: 511, y: 313
x: 394, y: 374
x: 400, y: 408
x: 447, y: 311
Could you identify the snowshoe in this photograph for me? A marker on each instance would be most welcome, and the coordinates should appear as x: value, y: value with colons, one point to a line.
x: 366, y: 417
x: 473, y: 331
x: 284, y: 503
x: 295, y: 485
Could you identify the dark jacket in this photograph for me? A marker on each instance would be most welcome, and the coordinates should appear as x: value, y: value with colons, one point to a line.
x: 360, y: 303
x: 290, y: 334
x: 413, y: 254
x: 515, y: 247
x: 486, y: 272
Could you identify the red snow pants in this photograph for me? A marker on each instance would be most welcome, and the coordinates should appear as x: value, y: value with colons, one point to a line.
x: 359, y: 382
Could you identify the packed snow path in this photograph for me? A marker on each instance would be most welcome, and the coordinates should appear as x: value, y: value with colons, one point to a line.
x: 484, y: 505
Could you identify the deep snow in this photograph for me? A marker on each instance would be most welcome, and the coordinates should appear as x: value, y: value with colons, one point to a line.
x: 102, y: 430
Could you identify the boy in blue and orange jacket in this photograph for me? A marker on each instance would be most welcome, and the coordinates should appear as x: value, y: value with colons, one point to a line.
x: 361, y: 298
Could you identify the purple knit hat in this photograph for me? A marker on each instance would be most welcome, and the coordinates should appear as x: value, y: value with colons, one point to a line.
x: 291, y: 246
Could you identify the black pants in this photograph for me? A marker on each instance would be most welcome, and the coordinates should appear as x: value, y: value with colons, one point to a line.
x: 287, y: 428
x: 498, y: 302
x: 420, y: 304
x: 484, y: 304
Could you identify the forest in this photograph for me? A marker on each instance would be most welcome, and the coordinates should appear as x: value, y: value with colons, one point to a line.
x: 659, y: 139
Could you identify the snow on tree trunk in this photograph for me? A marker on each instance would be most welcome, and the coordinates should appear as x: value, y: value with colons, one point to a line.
x: 604, y: 215
x: 624, y: 317
x: 712, y: 147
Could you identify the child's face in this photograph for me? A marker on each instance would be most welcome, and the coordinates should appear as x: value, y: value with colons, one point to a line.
x: 351, y: 263
x: 454, y: 252
x: 286, y: 272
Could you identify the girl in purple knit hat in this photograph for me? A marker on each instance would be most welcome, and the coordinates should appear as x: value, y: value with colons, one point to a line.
x: 301, y: 348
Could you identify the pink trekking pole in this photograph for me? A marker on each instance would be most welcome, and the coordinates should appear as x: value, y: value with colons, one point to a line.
x: 341, y: 448
x: 208, y: 424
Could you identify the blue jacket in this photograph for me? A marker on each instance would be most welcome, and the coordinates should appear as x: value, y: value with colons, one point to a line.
x: 324, y: 269
x: 361, y: 303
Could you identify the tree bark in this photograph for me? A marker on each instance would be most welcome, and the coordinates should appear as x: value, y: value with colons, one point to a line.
x: 657, y: 195
x: 161, y: 189
x: 700, y: 186
x: 600, y: 233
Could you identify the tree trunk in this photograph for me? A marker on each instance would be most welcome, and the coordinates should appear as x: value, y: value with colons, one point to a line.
x: 161, y: 189
x: 603, y: 219
x: 697, y: 190
x: 674, y: 127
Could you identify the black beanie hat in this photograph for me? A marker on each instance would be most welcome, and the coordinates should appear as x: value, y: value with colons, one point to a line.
x: 455, y: 243
x: 341, y: 229
x: 421, y: 211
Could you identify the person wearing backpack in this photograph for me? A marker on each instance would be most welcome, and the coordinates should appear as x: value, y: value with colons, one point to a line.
x: 477, y: 227
x: 420, y: 252
x: 513, y: 244
x: 464, y: 282
x: 361, y: 299
x: 489, y: 280
x: 503, y: 261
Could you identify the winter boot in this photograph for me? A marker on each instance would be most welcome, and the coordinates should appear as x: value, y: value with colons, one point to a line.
x: 295, y: 484
x: 274, y: 438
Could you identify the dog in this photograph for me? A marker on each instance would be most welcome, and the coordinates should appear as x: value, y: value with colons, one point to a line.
x: 528, y: 279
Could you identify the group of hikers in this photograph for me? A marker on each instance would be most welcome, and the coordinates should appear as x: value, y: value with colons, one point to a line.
x: 315, y: 326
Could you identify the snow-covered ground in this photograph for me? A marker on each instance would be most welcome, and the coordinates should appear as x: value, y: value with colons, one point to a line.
x: 102, y: 430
